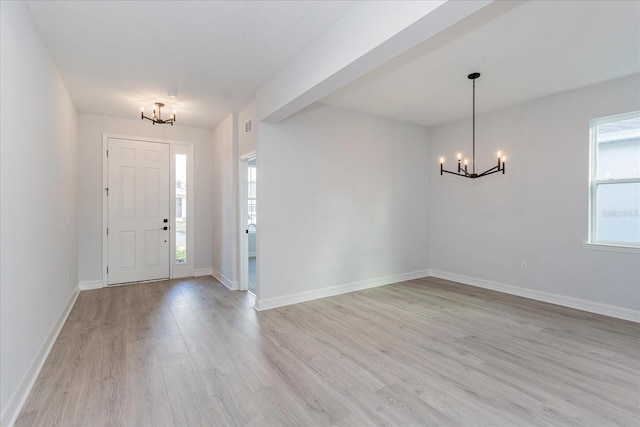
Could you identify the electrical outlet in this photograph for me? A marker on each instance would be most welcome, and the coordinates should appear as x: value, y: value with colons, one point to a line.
x: 523, y: 265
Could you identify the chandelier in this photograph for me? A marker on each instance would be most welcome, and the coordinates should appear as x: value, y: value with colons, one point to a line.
x: 464, y: 171
x: 157, y: 116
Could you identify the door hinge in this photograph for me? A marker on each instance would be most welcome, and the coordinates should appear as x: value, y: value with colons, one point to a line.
x: 107, y: 269
x: 107, y: 231
x: 107, y: 190
x: 107, y: 153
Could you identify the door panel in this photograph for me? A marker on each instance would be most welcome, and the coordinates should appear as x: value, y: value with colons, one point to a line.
x: 152, y: 191
x: 138, y: 204
x: 127, y: 249
x: 127, y: 188
x: 152, y: 242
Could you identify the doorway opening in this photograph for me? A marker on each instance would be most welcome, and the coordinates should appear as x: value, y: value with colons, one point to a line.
x: 147, y: 209
x: 248, y: 223
x: 251, y: 222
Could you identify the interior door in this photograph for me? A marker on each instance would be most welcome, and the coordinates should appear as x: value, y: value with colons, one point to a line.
x: 138, y: 211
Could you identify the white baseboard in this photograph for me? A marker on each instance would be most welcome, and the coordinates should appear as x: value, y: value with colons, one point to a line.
x: 579, y: 304
x: 199, y: 272
x: 224, y: 280
x: 19, y: 397
x: 274, y: 302
x: 87, y: 285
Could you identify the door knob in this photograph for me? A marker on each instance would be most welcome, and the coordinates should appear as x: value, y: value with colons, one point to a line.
x: 163, y: 228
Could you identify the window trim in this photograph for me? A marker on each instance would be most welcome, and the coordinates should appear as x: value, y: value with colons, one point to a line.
x: 594, y: 183
x: 611, y: 248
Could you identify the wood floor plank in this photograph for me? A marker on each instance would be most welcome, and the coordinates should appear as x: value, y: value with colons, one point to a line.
x: 145, y: 397
x: 191, y: 405
x: 423, y: 352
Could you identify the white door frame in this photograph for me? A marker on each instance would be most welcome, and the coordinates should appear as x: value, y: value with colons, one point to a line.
x: 243, y: 247
x: 175, y: 147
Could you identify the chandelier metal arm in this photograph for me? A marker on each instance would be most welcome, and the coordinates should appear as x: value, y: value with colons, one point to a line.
x: 159, y: 121
x: 500, y: 167
x: 494, y: 169
x: 473, y: 175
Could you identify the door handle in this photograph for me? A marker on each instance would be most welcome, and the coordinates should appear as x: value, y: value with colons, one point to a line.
x: 163, y: 228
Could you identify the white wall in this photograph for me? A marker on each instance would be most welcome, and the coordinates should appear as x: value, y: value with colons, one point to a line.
x: 90, y: 130
x: 224, y: 161
x: 38, y: 185
x: 537, y: 212
x: 343, y: 186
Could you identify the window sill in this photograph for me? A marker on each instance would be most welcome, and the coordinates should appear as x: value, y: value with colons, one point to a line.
x: 611, y: 248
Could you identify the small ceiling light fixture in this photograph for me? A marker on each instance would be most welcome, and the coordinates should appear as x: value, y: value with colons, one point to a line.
x: 157, y: 116
x: 464, y: 171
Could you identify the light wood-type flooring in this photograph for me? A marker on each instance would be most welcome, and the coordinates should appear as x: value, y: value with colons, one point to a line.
x: 419, y: 353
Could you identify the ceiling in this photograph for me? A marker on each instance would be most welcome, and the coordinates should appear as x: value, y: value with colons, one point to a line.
x: 117, y: 56
x: 523, y: 50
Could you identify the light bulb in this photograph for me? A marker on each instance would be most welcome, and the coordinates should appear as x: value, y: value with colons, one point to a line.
x: 499, y: 153
x: 459, y: 156
x: 441, y: 160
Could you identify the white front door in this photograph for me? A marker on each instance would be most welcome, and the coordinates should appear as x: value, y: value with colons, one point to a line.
x: 138, y: 211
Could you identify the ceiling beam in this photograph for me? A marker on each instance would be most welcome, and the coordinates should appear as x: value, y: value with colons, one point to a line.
x: 367, y: 37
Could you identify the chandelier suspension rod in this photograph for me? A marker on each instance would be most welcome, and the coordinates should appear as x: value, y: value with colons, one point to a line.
x: 473, y: 137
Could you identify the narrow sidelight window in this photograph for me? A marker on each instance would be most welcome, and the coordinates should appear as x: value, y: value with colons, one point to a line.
x: 181, y: 209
